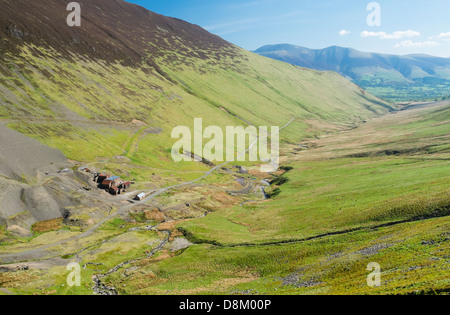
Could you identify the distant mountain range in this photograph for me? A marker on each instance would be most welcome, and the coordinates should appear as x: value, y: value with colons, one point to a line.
x: 389, y: 76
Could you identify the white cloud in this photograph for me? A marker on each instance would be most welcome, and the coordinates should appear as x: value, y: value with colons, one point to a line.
x: 442, y: 36
x: 395, y: 35
x: 410, y: 43
x: 344, y: 32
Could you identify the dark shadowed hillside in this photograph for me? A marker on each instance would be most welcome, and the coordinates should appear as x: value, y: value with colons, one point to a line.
x: 112, y: 30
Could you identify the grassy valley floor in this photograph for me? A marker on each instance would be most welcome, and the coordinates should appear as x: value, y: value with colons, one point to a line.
x: 376, y: 193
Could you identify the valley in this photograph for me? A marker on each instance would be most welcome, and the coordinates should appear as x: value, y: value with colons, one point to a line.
x: 408, y: 78
x: 252, y: 232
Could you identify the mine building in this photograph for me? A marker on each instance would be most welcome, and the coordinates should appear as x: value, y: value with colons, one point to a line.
x: 114, y: 191
x: 112, y: 184
x: 99, y: 178
x: 114, y: 181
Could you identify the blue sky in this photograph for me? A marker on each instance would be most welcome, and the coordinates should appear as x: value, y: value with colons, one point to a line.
x: 407, y: 26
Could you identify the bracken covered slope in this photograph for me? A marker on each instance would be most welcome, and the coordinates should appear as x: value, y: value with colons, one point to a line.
x: 126, y: 62
x: 112, y: 30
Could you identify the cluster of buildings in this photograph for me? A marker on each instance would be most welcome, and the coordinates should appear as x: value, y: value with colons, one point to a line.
x: 113, y: 184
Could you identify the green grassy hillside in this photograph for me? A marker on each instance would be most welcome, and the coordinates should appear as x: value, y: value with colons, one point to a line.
x: 88, y: 90
x: 97, y: 94
x: 57, y: 101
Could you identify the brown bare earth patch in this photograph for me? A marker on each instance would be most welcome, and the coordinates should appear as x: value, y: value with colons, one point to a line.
x: 148, y: 213
x: 154, y: 215
x: 138, y: 123
x: 16, y: 230
x: 15, y: 279
x: 279, y: 172
x: 219, y: 286
x: 258, y: 174
x: 169, y: 226
x: 48, y: 226
x: 224, y: 199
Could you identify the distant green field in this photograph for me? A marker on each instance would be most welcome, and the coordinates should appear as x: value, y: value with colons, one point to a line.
x: 409, y: 92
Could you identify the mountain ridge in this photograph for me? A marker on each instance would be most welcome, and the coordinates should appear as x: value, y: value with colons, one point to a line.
x: 367, y: 69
